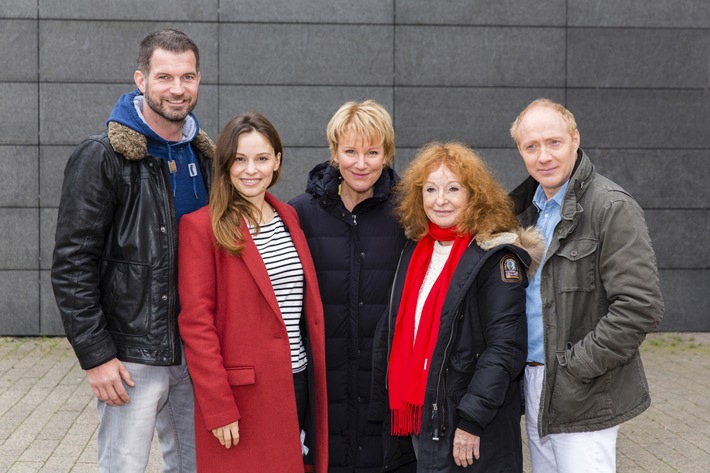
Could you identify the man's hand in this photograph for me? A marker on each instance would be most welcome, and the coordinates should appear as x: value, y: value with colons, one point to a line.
x: 466, y: 448
x: 227, y: 435
x: 107, y: 382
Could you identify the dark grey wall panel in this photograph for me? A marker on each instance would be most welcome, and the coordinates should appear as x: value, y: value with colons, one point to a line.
x: 19, y: 235
x: 71, y: 112
x: 471, y: 56
x: 50, y: 322
x: 640, y: 13
x: 297, y: 164
x: 18, y: 176
x: 141, y: 10
x: 467, y: 12
x: 478, y: 117
x: 669, y: 179
x: 685, y: 294
x: 18, y: 53
x: 638, y: 58
x: 635, y: 73
x: 18, y: 113
x: 47, y: 229
x: 308, y: 11
x: 681, y: 238
x: 300, y: 114
x: 52, y: 161
x: 207, y: 110
x: 506, y: 165
x: 661, y: 119
x: 18, y: 9
x: 306, y: 54
x: 106, y: 51
x: 19, y: 299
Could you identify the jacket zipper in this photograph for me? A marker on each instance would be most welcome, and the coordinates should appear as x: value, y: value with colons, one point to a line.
x: 440, y: 429
x: 171, y: 232
x: 390, y: 333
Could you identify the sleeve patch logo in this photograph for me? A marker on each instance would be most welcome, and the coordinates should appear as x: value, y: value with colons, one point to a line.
x: 510, y: 269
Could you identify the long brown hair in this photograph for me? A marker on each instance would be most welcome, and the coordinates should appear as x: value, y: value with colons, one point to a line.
x: 489, y: 209
x: 227, y: 206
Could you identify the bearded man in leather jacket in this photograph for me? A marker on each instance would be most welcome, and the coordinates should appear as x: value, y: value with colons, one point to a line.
x: 115, y: 259
x: 591, y: 303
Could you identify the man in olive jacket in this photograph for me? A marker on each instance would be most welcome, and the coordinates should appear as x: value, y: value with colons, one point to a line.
x: 590, y: 304
x: 115, y: 259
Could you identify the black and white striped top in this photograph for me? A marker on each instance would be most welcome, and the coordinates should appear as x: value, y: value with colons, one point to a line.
x: 286, y: 273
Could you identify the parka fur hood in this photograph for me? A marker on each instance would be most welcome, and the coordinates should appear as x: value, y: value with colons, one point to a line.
x: 529, y: 239
x: 134, y: 145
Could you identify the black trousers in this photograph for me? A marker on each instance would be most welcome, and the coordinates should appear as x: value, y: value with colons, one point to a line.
x: 300, y: 383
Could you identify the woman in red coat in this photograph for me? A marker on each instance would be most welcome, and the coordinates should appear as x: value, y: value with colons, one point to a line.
x: 251, y: 318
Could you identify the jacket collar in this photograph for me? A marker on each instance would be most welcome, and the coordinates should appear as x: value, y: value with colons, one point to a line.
x: 324, y: 179
x: 134, y: 145
x: 578, y: 184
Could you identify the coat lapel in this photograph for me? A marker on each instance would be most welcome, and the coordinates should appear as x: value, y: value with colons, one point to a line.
x: 299, y: 242
x: 255, y: 266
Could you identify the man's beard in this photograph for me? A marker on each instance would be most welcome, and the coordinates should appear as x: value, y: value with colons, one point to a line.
x: 175, y: 116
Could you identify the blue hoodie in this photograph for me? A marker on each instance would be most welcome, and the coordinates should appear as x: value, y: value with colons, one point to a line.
x: 188, y: 185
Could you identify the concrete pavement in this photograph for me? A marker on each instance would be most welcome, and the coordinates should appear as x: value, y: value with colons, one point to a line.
x: 48, y: 418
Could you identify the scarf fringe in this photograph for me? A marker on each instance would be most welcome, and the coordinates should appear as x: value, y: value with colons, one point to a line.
x: 406, y: 420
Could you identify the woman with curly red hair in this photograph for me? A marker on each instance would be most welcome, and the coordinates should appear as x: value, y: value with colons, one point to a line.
x: 455, y: 342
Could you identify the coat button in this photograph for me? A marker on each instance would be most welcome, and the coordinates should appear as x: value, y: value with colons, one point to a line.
x: 165, y: 297
x: 162, y: 229
x: 362, y: 255
x: 573, y: 252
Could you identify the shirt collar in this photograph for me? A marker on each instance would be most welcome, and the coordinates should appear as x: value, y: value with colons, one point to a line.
x: 539, y: 199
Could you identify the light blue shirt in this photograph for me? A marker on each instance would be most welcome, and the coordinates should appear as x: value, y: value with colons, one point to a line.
x: 547, y: 221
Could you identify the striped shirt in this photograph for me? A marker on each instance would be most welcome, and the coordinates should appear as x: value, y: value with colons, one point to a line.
x: 286, y: 273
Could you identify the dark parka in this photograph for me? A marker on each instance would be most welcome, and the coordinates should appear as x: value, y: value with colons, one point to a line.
x: 115, y: 258
x: 355, y: 256
x: 474, y: 380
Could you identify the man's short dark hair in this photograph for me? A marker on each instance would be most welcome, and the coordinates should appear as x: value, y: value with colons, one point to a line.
x: 168, y: 39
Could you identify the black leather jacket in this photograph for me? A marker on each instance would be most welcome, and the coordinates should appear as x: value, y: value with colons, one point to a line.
x: 115, y: 258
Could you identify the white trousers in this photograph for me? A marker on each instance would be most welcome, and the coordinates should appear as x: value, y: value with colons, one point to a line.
x: 579, y: 452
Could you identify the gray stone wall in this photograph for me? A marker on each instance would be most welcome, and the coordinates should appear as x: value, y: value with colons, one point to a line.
x: 635, y: 73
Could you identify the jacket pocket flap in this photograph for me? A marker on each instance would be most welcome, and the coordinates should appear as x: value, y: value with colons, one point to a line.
x: 577, y: 249
x: 241, y: 376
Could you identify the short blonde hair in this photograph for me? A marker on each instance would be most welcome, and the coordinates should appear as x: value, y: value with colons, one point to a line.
x: 489, y: 209
x: 368, y: 120
x: 567, y: 116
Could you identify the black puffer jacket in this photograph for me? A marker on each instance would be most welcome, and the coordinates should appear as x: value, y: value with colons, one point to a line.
x: 473, y: 382
x: 355, y: 255
x: 115, y: 258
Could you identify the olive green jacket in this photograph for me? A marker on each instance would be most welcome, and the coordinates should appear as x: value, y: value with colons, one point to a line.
x: 600, y: 297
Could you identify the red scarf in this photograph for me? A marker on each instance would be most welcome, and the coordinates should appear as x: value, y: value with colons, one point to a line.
x: 410, y: 359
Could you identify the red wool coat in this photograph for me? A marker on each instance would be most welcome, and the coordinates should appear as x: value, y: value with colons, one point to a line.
x: 238, y: 352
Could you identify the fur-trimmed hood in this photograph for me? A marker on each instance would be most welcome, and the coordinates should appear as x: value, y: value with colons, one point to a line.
x: 129, y: 133
x: 134, y: 145
x: 529, y: 239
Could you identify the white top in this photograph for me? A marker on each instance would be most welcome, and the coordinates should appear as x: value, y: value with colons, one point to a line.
x: 286, y: 273
x: 438, y: 260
